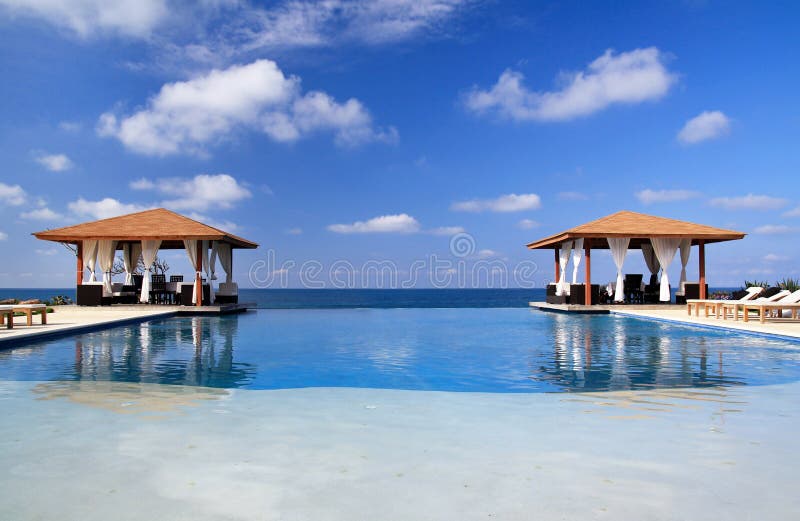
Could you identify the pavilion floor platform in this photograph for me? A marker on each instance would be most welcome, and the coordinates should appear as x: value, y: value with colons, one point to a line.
x: 65, y: 320
x: 777, y: 327
x: 601, y: 309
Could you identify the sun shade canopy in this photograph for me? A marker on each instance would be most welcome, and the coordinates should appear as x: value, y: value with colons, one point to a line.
x: 639, y: 228
x: 158, y: 224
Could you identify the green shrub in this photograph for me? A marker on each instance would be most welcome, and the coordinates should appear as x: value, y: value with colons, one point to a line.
x: 789, y: 283
x: 58, y: 300
x: 761, y: 284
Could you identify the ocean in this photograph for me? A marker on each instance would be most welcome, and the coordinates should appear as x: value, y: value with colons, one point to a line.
x: 348, y: 298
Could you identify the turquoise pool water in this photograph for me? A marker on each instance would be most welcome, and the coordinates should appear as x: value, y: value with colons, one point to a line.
x: 474, y: 350
x: 353, y: 414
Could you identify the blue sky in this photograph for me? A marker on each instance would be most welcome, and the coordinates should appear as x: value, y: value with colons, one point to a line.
x: 354, y: 131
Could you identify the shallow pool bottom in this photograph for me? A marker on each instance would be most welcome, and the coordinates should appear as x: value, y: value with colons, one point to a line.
x: 116, y: 450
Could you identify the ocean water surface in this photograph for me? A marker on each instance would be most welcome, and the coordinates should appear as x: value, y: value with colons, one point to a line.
x: 347, y: 298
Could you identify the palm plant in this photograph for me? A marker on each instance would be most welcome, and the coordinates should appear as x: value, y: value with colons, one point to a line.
x: 759, y: 283
x: 790, y: 283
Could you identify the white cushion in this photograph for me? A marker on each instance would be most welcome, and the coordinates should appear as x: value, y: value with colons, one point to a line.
x: 228, y: 289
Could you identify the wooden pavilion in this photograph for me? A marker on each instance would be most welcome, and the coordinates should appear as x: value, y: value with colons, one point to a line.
x: 640, y: 231
x: 147, y: 232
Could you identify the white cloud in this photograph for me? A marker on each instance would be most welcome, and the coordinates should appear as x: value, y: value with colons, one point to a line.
x: 12, y: 195
x: 294, y: 231
x: 504, y: 203
x: 104, y: 208
x: 87, y: 18
x: 749, y: 202
x: 648, y: 196
x: 446, y: 230
x: 794, y: 212
x: 226, y: 225
x: 70, y: 126
x: 706, y: 125
x: 527, y: 224
x: 142, y: 184
x: 572, y: 196
x: 773, y: 257
x: 3, y: 236
x: 48, y: 252
x: 629, y: 77
x: 54, y: 162
x: 398, y: 223
x: 199, y: 193
x: 487, y: 254
x: 188, y: 116
x: 775, y: 229
x: 304, y: 23
x: 41, y: 214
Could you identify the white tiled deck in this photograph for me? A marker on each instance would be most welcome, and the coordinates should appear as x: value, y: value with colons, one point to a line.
x: 75, y: 318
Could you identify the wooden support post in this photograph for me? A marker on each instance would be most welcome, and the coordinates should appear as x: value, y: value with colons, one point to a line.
x: 587, y: 299
x: 702, y: 260
x: 79, y: 264
x: 198, y: 283
x: 558, y: 271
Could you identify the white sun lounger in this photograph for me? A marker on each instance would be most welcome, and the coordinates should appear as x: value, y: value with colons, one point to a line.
x: 790, y: 302
x: 716, y: 304
x: 732, y: 306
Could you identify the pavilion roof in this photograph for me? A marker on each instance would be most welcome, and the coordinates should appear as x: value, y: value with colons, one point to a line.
x: 639, y: 228
x: 158, y: 224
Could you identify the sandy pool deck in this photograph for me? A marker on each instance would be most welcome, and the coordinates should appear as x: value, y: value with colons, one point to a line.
x: 784, y: 327
x: 74, y: 318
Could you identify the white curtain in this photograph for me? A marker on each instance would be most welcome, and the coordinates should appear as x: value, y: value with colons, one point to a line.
x: 619, y: 249
x: 686, y: 249
x: 130, y: 258
x: 214, y: 248
x: 191, y: 251
x: 563, y: 260
x: 207, y: 270
x: 106, y: 250
x: 226, y: 260
x: 149, y: 253
x: 577, y: 256
x: 665, y: 251
x: 90, y: 257
x: 650, y: 258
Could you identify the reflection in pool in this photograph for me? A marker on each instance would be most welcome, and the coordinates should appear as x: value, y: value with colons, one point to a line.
x: 485, y: 350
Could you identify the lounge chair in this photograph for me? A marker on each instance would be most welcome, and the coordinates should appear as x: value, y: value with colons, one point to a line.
x: 28, y: 309
x: 227, y: 292
x: 732, y: 305
x: 716, y: 304
x: 632, y: 287
x: 7, y: 316
x: 790, y: 302
x: 688, y: 291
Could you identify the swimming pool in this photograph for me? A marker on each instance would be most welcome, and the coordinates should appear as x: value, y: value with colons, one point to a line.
x: 472, y: 350
x: 397, y: 414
